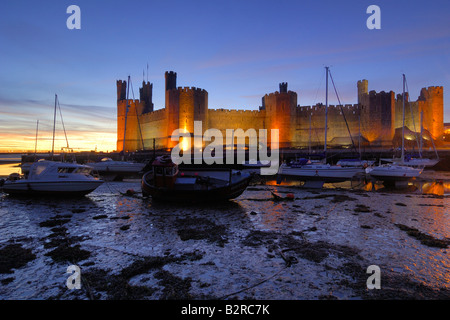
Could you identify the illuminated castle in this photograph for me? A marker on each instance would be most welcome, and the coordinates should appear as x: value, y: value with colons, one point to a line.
x: 376, y: 116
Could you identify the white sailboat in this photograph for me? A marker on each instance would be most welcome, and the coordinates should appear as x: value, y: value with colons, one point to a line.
x: 316, y: 174
x: 397, y: 173
x: 419, y: 162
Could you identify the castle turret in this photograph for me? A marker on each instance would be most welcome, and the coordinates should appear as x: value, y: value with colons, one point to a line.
x: 171, y: 80
x: 431, y: 102
x: 145, y: 96
x: 283, y: 87
x: 363, y: 89
x: 280, y: 113
x: 121, y: 90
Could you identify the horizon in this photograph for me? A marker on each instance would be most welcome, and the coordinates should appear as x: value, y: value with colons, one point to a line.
x: 238, y: 51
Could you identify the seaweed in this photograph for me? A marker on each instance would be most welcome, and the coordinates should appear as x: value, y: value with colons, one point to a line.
x: 14, y: 256
x: 425, y: 239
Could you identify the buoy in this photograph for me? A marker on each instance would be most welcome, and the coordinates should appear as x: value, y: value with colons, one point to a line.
x: 290, y: 196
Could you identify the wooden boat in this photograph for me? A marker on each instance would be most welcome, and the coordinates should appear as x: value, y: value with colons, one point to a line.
x: 166, y: 181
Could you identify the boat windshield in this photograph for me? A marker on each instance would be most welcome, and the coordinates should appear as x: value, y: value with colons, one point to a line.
x: 65, y: 169
x: 38, y: 169
x: 83, y: 170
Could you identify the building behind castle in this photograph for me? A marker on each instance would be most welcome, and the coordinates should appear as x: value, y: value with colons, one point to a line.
x: 376, y: 116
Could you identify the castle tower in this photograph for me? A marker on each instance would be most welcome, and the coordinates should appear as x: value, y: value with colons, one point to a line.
x: 363, y: 89
x: 121, y: 90
x: 171, y: 80
x: 146, y: 96
x: 183, y: 107
x: 431, y: 102
x: 280, y: 114
x: 128, y: 127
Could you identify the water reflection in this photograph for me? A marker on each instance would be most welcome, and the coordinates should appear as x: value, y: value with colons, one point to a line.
x: 438, y: 187
x: 8, y: 168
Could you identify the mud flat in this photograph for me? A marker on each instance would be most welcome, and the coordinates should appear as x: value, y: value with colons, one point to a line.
x: 263, y: 245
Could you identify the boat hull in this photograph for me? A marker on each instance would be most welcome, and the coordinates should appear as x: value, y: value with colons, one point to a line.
x: 392, y: 174
x: 220, y: 193
x: 50, y: 188
x: 322, y: 173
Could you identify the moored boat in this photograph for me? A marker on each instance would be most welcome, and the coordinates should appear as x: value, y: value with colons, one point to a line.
x: 166, y: 181
x: 108, y: 165
x: 320, y: 172
x: 393, y: 174
x: 52, y: 178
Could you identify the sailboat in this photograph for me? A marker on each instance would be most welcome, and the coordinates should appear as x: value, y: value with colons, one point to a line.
x: 316, y: 174
x: 53, y: 178
x: 397, y: 173
x: 418, y: 161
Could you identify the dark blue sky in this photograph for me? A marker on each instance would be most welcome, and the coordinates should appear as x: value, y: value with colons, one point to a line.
x: 236, y: 50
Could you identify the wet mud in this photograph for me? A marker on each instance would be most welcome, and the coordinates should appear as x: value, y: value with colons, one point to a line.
x: 273, y: 242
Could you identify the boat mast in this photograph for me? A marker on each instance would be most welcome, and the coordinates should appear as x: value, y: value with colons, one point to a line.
x: 126, y: 113
x: 403, y: 126
x: 421, y: 134
x: 359, y: 134
x: 35, y: 143
x: 309, y: 141
x: 54, y: 126
x: 326, y: 112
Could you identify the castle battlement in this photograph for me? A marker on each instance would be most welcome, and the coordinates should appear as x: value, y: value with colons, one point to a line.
x: 234, y: 111
x: 189, y: 89
x: 276, y: 93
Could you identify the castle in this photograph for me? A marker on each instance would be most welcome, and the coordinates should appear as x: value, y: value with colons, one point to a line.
x: 373, y: 120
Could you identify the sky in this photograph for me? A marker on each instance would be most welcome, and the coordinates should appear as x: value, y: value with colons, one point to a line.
x: 237, y: 50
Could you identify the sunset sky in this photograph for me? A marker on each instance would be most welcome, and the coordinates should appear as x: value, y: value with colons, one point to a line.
x: 236, y: 50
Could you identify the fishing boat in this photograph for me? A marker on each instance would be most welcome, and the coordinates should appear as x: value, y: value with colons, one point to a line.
x: 53, y: 178
x: 166, y: 181
x: 397, y: 173
x: 316, y: 174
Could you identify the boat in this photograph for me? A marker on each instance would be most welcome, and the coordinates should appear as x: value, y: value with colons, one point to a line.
x: 316, y: 174
x: 53, y: 178
x: 396, y: 173
x: 355, y: 163
x: 414, y: 162
x: 391, y: 172
x: 167, y: 182
x: 110, y: 166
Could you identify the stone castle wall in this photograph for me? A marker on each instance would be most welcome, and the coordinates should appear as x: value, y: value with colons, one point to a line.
x: 376, y: 116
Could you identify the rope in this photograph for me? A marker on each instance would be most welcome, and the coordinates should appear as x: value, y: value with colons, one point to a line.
x: 342, y: 110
